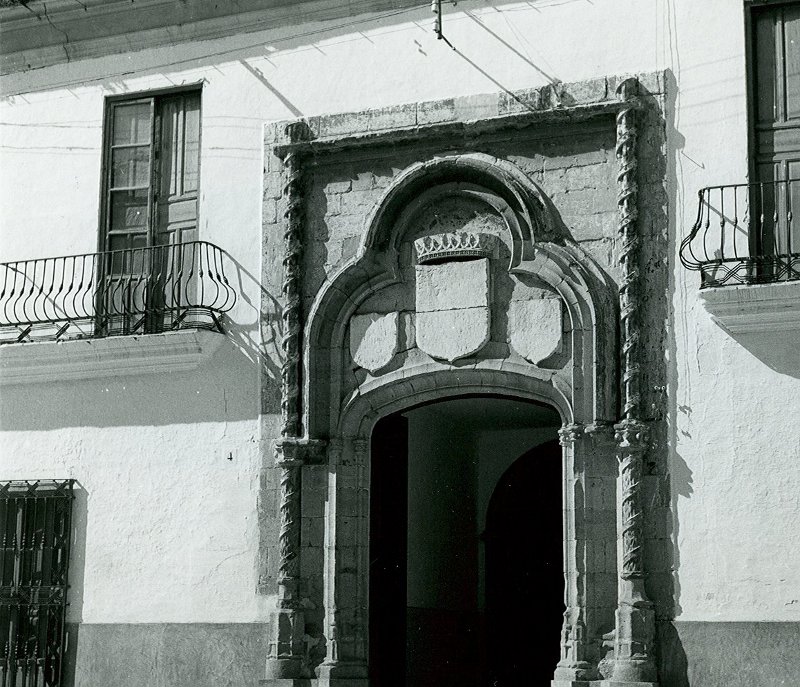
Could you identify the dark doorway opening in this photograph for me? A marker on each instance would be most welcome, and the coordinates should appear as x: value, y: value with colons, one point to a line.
x: 387, y: 561
x: 524, y: 567
x: 466, y: 574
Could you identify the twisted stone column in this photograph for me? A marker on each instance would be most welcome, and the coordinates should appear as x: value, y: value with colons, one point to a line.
x: 627, y: 196
x: 635, y: 620
x: 291, y: 287
x: 285, y: 657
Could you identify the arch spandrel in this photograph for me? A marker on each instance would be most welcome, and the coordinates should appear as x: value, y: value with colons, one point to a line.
x: 584, y: 386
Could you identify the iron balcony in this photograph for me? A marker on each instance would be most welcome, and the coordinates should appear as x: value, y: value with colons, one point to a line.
x: 121, y: 292
x: 745, y: 234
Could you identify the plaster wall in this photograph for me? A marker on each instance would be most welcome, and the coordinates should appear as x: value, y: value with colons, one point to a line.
x: 165, y: 526
x: 732, y: 486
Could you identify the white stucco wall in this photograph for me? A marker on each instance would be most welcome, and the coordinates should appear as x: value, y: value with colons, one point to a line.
x: 734, y: 446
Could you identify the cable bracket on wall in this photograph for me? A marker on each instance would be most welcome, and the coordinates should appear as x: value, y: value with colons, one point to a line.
x: 436, y: 8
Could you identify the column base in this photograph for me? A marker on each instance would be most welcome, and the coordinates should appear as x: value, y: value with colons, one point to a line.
x: 316, y: 682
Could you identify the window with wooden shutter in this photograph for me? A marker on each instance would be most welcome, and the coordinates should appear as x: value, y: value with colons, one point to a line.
x: 152, y: 173
x: 775, y: 133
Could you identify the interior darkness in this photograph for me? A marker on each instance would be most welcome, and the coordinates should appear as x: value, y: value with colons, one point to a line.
x: 524, y: 569
x: 387, y: 567
x: 466, y: 572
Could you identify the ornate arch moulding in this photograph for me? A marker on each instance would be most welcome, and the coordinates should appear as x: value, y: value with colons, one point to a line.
x: 316, y: 414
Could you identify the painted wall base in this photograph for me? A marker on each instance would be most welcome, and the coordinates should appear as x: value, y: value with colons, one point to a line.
x: 165, y: 654
x: 728, y: 654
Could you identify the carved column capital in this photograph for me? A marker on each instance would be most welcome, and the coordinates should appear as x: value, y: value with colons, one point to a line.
x: 570, y: 433
x: 291, y: 451
x: 632, y: 436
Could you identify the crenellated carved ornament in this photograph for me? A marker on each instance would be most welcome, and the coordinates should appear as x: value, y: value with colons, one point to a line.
x: 453, y: 245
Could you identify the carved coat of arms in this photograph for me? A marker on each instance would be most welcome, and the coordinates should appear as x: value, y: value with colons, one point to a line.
x: 452, y: 294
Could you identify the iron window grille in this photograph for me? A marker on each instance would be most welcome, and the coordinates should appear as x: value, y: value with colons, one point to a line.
x: 35, y: 527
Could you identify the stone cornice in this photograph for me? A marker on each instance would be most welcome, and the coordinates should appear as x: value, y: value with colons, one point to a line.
x: 53, y: 361
x: 464, y: 119
x: 454, y: 131
x: 57, y: 31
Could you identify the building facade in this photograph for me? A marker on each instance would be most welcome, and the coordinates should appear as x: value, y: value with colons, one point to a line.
x: 381, y: 343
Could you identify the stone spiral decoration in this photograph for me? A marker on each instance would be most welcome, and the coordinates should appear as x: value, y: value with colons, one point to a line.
x: 291, y: 287
x: 289, y: 536
x: 286, y: 644
x: 627, y: 194
x: 632, y: 437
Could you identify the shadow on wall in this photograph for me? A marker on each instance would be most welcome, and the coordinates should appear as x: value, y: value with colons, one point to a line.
x: 77, y: 567
x: 777, y: 350
x: 77, y: 559
x: 225, y: 388
x: 255, y: 45
x: 672, y: 662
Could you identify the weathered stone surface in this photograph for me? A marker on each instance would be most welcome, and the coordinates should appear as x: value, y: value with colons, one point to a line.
x: 453, y: 318
x: 536, y: 328
x: 373, y: 340
x: 452, y: 285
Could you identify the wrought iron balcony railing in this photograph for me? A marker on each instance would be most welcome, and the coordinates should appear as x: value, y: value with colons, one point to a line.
x: 130, y: 291
x: 745, y: 234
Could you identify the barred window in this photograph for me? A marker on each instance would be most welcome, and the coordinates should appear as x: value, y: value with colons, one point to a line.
x: 35, y: 534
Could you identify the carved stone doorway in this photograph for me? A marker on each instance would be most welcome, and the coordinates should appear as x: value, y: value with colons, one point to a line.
x: 438, y: 473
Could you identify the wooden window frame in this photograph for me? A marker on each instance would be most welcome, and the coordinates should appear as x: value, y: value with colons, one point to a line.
x: 106, y: 167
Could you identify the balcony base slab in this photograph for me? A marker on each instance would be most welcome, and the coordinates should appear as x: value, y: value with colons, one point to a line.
x: 54, y: 361
x: 755, y: 308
